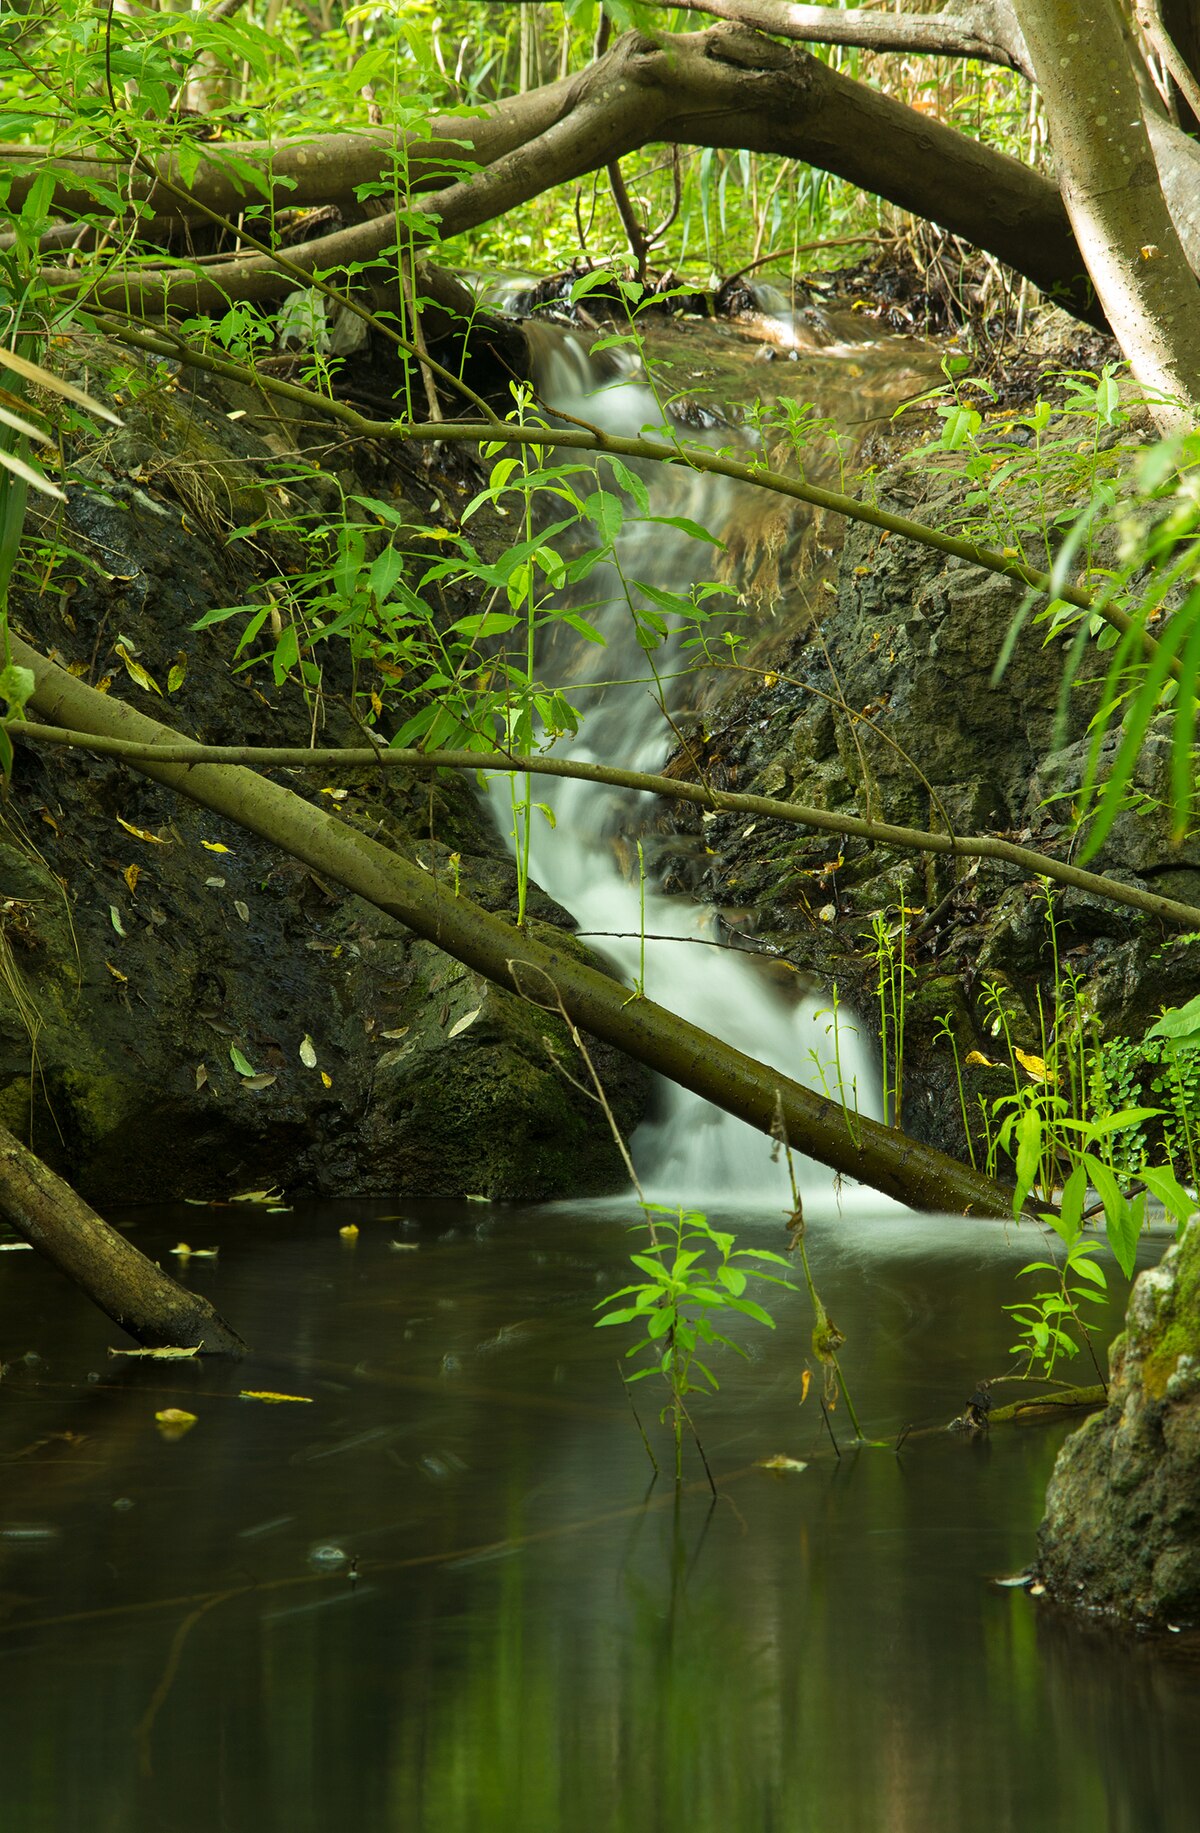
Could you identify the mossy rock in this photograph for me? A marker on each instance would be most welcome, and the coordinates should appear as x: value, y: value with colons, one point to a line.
x: 1121, y: 1534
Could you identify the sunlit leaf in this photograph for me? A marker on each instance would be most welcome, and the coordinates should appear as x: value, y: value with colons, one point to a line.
x: 264, y: 1394
x: 161, y: 1354
x: 136, y: 672
x: 142, y: 833
x: 174, y: 1423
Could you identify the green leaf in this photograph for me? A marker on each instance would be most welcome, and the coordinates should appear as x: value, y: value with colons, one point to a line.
x: 686, y: 526
x: 629, y: 481
x: 751, y: 1309
x: 1069, y: 1219
x: 1181, y: 1024
x: 239, y: 1062
x: 1088, y: 1268
x: 1163, y: 1183
x: 1029, y: 1152
x: 16, y: 686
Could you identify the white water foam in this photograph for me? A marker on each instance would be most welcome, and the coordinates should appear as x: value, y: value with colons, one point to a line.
x: 690, y: 1150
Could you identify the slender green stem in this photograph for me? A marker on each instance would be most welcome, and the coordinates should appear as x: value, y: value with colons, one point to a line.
x: 977, y: 846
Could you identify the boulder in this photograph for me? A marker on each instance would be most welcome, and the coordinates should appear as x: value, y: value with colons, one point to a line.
x: 1121, y: 1534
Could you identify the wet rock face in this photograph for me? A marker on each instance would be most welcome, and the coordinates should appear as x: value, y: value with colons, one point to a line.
x: 1121, y: 1533
x: 151, y: 954
x: 890, y: 709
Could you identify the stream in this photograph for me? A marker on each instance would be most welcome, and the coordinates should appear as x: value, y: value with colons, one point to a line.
x: 409, y: 1568
x: 834, y: 373
x: 441, y: 1592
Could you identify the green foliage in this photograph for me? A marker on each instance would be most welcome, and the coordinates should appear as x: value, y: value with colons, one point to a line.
x: 893, y: 974
x: 694, y: 1280
x: 1072, y: 488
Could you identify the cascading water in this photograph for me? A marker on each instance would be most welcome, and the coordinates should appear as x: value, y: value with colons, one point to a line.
x: 690, y: 1150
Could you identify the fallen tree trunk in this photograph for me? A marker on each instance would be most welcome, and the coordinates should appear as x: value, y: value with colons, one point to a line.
x: 546, y: 974
x: 154, y: 1309
x: 725, y: 87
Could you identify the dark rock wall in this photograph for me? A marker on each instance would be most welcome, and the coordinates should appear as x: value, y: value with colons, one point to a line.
x: 885, y: 704
x: 131, y: 966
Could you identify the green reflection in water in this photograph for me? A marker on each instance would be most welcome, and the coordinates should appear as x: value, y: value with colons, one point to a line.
x: 531, y: 1642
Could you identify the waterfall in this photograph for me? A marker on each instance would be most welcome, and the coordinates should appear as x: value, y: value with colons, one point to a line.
x: 689, y: 1150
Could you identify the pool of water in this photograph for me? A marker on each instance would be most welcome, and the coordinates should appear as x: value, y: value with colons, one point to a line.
x: 441, y: 1591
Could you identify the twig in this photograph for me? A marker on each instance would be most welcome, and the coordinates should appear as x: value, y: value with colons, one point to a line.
x: 641, y: 1428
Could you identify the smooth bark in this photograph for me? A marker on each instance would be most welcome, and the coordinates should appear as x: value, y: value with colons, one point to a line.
x: 154, y: 1309
x: 544, y: 972
x: 1110, y: 184
x: 725, y: 87
x: 985, y: 30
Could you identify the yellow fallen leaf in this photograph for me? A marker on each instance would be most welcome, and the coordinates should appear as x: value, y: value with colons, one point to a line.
x: 977, y: 1056
x: 249, y: 1393
x: 131, y: 874
x: 137, y: 673
x: 162, y: 1354
x: 805, y: 1379
x: 327, y: 1080
x: 117, y: 974
x: 780, y: 1462
x: 350, y: 1232
x: 214, y: 846
x: 173, y: 1422
x: 141, y: 833
x: 1035, y: 1066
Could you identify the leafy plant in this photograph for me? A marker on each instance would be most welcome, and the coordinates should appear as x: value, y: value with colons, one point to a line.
x: 693, y: 1280
x: 893, y: 973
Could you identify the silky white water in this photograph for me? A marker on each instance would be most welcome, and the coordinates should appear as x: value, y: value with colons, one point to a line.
x: 690, y: 1150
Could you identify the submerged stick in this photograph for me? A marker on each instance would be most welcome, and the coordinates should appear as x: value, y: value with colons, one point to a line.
x: 115, y: 1275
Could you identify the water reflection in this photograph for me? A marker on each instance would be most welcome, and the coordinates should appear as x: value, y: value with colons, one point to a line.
x: 440, y: 1598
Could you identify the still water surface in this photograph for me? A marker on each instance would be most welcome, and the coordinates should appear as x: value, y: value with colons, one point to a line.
x: 521, y: 1633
